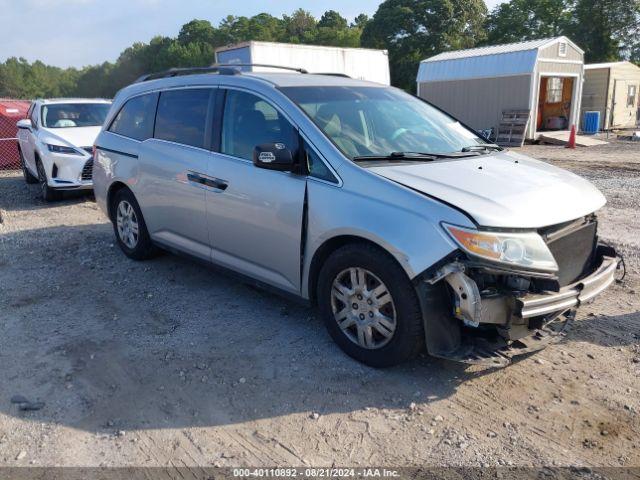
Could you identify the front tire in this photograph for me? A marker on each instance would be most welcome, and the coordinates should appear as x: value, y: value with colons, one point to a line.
x: 28, y: 176
x: 48, y: 194
x: 130, y: 228
x: 369, y: 306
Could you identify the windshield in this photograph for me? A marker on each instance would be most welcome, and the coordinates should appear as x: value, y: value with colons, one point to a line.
x: 370, y: 121
x: 68, y: 115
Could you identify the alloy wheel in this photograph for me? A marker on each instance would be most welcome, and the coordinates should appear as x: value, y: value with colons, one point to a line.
x: 363, y: 308
x: 127, y: 224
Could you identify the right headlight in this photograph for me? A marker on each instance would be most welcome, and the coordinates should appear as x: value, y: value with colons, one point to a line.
x: 526, y: 250
x: 62, y: 149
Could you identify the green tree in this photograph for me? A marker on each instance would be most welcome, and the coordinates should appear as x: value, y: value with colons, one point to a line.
x: 519, y: 20
x: 21, y: 79
x: 333, y: 29
x: 332, y: 19
x: 300, y: 27
x: 606, y: 29
x: 413, y: 30
x: 360, y: 21
x: 197, y: 31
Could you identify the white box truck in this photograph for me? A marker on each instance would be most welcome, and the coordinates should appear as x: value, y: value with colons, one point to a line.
x: 361, y: 63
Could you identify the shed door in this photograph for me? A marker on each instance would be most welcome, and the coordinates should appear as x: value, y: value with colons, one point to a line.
x: 625, y: 103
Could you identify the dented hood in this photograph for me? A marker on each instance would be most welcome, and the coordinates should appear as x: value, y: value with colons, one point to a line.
x: 73, y: 137
x: 503, y: 189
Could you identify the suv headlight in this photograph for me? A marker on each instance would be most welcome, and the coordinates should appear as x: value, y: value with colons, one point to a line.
x: 63, y: 149
x: 526, y: 250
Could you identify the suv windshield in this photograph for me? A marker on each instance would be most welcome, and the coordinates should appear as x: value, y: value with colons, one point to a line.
x: 68, y: 115
x: 375, y: 121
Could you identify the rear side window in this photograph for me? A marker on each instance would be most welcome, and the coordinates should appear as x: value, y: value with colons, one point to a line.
x: 249, y: 121
x: 182, y: 116
x: 136, y: 117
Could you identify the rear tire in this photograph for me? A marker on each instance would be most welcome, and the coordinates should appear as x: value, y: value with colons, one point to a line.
x: 48, y: 194
x: 28, y: 176
x: 129, y: 227
x: 361, y: 288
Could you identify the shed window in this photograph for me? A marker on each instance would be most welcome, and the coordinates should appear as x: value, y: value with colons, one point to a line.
x: 632, y: 93
x: 554, y: 90
x: 562, y: 49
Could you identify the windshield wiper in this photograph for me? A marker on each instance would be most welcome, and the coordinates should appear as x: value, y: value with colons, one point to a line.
x: 409, y: 156
x: 482, y: 148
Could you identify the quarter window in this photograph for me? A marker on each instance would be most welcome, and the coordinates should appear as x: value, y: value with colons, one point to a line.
x: 136, y: 117
x: 182, y: 116
x: 316, y: 167
x: 249, y: 121
x: 632, y: 93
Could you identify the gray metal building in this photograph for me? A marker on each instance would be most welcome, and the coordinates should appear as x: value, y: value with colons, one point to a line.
x: 543, y: 77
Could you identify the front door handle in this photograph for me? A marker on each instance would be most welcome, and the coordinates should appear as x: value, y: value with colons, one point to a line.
x: 212, y: 182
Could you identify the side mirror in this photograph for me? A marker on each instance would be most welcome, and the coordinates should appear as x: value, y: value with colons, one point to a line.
x: 273, y: 156
x: 25, y: 123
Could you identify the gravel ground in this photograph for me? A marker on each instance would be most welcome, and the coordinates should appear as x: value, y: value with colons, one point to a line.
x: 169, y: 363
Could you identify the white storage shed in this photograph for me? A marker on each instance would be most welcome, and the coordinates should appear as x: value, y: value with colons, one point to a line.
x: 360, y: 63
x: 542, y: 77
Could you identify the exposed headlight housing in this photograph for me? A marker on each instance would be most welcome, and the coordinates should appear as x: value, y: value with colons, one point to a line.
x: 526, y: 250
x: 63, y: 149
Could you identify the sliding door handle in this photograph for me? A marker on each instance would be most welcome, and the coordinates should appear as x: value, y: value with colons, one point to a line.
x: 211, y: 182
x: 217, y: 183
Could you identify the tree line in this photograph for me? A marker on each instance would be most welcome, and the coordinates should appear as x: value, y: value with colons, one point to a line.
x: 411, y: 30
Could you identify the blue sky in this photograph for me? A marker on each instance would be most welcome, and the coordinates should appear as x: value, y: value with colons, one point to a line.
x: 84, y: 32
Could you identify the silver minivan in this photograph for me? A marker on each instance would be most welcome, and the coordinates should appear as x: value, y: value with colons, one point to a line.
x: 404, y: 226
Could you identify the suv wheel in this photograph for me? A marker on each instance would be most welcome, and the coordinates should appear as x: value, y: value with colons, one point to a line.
x: 48, y: 194
x: 370, y: 306
x: 129, y: 227
x: 28, y: 177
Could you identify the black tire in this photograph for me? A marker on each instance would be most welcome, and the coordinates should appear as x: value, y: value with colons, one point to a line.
x: 28, y: 176
x: 48, y: 194
x: 408, y: 338
x: 143, y: 248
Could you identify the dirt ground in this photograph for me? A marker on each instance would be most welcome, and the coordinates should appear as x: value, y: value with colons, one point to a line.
x: 169, y: 363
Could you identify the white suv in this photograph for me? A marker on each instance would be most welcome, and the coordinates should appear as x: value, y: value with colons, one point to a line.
x: 55, y: 143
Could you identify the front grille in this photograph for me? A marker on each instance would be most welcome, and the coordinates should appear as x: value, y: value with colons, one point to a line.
x: 573, y: 246
x: 87, y: 170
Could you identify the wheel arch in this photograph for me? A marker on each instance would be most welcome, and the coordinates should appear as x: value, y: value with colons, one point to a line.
x: 114, y: 188
x: 327, y: 248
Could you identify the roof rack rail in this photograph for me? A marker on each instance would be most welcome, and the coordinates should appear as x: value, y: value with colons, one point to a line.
x: 175, y: 72
x: 221, y: 69
x: 333, y: 74
x: 264, y: 65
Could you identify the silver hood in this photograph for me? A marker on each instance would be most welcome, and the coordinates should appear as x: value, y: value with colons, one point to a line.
x: 504, y: 189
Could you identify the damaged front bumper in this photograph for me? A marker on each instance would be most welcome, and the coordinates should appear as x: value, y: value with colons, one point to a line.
x: 491, y: 326
x: 572, y: 295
